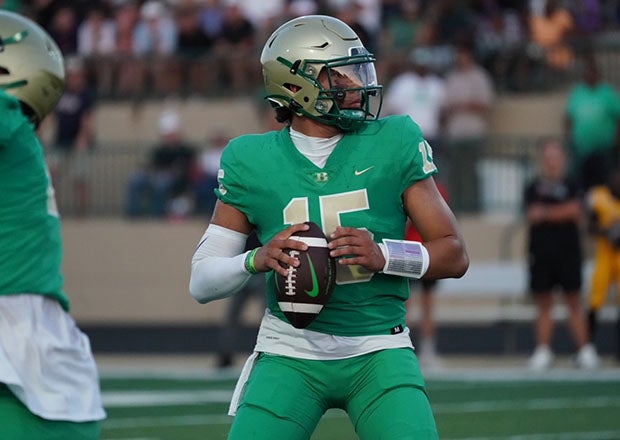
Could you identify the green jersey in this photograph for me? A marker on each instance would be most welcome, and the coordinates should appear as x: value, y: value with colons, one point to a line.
x: 30, y: 236
x: 360, y: 186
x: 595, y: 112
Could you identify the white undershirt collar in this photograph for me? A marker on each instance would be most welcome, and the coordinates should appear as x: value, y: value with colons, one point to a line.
x: 315, y: 149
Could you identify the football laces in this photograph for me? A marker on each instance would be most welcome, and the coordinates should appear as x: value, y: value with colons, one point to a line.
x: 291, y: 278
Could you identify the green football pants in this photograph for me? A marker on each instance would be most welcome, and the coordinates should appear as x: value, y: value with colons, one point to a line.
x: 382, y: 392
x: 18, y: 423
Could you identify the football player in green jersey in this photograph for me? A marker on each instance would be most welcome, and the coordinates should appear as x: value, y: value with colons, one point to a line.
x: 359, y: 177
x: 49, y: 385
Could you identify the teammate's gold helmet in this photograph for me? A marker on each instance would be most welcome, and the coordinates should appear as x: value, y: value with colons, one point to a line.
x: 31, y: 65
x: 318, y: 67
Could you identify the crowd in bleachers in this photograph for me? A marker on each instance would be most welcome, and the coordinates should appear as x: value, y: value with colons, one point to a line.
x: 137, y: 49
x: 157, y: 47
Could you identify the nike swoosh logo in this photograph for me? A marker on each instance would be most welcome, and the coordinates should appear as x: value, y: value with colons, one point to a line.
x: 359, y: 173
x: 314, y: 292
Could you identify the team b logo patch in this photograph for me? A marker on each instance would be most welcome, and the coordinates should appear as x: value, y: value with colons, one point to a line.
x: 321, y: 177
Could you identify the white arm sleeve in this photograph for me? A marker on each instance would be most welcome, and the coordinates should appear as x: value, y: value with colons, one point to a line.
x: 218, y: 268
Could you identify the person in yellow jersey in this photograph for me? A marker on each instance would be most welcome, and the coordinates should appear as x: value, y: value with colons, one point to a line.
x: 604, y: 225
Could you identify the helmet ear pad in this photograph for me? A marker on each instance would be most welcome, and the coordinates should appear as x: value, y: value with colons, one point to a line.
x: 305, y: 92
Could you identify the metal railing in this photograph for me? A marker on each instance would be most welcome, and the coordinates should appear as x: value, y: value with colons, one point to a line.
x: 109, y: 169
x: 480, y: 178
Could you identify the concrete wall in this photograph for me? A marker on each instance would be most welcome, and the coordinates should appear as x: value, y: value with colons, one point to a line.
x: 125, y: 121
x: 529, y: 115
x: 119, y: 271
x: 532, y: 115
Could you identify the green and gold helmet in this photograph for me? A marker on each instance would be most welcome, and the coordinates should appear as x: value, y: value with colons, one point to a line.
x: 317, y: 67
x: 31, y: 65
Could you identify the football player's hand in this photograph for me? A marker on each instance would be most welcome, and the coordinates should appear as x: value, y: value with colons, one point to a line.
x: 356, y: 246
x: 270, y: 255
x: 537, y: 213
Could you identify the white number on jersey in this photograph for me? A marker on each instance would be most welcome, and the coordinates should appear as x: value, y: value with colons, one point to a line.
x: 297, y: 211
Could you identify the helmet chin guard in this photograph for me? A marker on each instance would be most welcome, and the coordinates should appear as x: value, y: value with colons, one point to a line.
x: 318, y: 67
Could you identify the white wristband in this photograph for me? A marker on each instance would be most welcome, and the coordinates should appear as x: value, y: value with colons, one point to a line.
x: 404, y: 258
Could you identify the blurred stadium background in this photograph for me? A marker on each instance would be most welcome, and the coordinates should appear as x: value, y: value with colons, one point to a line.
x: 127, y: 278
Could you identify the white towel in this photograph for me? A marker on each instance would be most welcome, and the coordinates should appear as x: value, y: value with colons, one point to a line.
x: 240, y: 387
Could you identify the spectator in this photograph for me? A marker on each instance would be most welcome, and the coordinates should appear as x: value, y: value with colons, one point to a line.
x: 402, y: 30
x: 499, y: 39
x: 419, y: 93
x: 211, y: 17
x: 209, y: 166
x: 163, y: 187
x: 263, y: 15
x: 64, y: 29
x: 96, y: 34
x: 74, y: 128
x: 128, y: 73
x: 44, y: 11
x: 469, y: 98
x: 393, y: 8
x: 553, y: 212
x: 155, y: 40
x: 592, y: 118
x: 439, y: 57
x: 604, y: 226
x: 453, y: 21
x: 588, y: 16
x: 97, y: 44
x: 235, y: 47
x: 549, y: 33
x: 195, y: 67
x: 126, y: 15
x: 155, y: 33
x: 193, y: 39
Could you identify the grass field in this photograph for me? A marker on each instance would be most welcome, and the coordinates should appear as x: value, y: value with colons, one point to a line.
x: 470, y: 403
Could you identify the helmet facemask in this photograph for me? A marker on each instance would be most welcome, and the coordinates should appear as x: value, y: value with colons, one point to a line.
x: 349, y: 93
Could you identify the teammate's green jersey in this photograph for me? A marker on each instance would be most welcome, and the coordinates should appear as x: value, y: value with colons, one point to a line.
x: 30, y: 236
x: 360, y: 186
x: 594, y: 112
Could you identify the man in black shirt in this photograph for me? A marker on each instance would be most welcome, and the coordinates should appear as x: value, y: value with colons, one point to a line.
x: 553, y: 212
x: 163, y: 187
